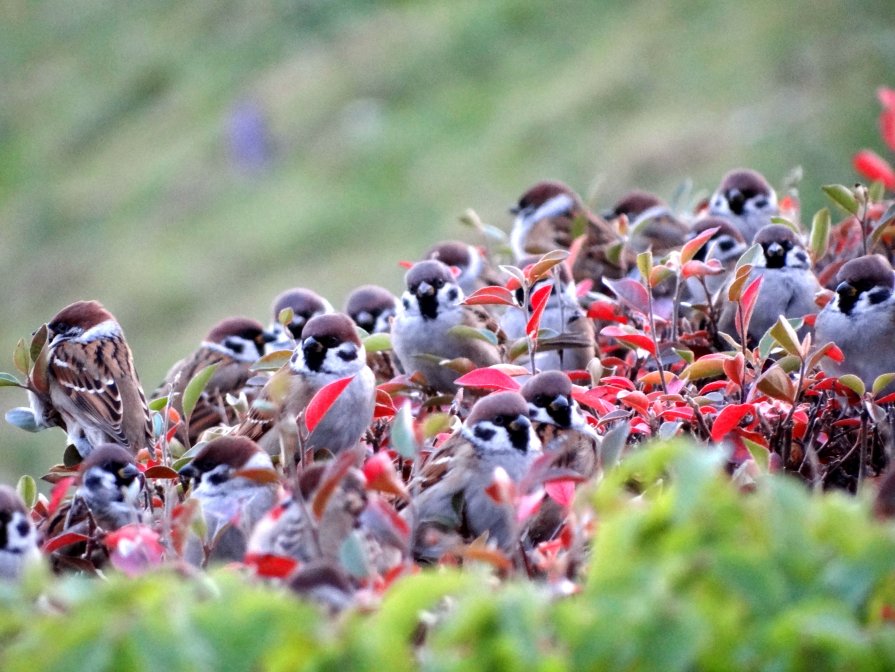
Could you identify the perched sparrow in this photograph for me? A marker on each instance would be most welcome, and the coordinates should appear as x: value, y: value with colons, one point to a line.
x: 573, y: 346
x: 745, y: 199
x: 559, y: 423
x: 305, y: 304
x: 727, y: 246
x: 234, y: 345
x: 372, y: 308
x: 789, y: 283
x: 109, y: 485
x: 564, y: 433
x: 860, y: 319
x: 91, y: 387
x: 423, y: 332
x: 224, y: 478
x: 292, y: 529
x: 18, y: 540
x: 652, y: 224
x: 330, y: 350
x: 497, y: 433
x: 472, y: 264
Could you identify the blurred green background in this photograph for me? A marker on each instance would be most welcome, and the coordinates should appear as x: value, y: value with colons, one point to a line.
x: 184, y: 161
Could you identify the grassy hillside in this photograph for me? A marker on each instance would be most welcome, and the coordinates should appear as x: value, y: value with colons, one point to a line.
x: 381, y: 122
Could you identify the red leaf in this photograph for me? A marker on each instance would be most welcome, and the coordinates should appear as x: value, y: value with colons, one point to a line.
x: 405, y: 264
x: 271, y: 566
x: 161, y: 472
x: 887, y: 127
x: 380, y: 473
x: 64, y: 539
x: 385, y: 407
x: 630, y: 292
x: 501, y: 489
x: 491, y: 296
x: 528, y: 505
x: 872, y: 166
x: 634, y: 340
x: 636, y: 400
x: 728, y: 419
x: 172, y: 431
x: 324, y: 399
x: 334, y: 474
x: 488, y: 379
x: 618, y: 381
x: 538, y: 303
x: 748, y: 302
x: 606, y: 311
x: 58, y: 493
x: 699, y: 269
x: 691, y: 247
x: 886, y: 97
x: 561, y: 491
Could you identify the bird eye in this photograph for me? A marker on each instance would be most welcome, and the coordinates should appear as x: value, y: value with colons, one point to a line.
x: 499, y: 421
x: 438, y: 284
x: 542, y: 400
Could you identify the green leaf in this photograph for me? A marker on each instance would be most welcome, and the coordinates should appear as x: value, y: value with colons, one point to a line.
x: 9, y: 380
x: 613, y: 443
x: 882, y: 382
x: 884, y: 222
x: 686, y: 355
x: 876, y: 191
x: 785, y: 335
x: 20, y: 357
x: 471, y: 218
x: 645, y: 264
x: 158, y: 404
x: 27, y: 489
x: 286, y: 316
x: 38, y: 341
x: 195, y: 388
x: 467, y: 332
x: 272, y: 360
x: 842, y: 196
x: 820, y: 233
x: 852, y: 382
x: 353, y: 556
x: 748, y: 257
x: 403, y: 433
x: 758, y: 452
x: 579, y: 226
x: 378, y: 343
x: 23, y: 418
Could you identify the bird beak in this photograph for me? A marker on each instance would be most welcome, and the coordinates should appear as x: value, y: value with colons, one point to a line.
x: 267, y: 337
x: 187, y: 474
x: 775, y: 250
x: 736, y: 201
x: 514, y: 210
x: 845, y: 289
x: 519, y: 424
x: 311, y: 344
x: 559, y: 403
x: 128, y: 472
x: 425, y: 289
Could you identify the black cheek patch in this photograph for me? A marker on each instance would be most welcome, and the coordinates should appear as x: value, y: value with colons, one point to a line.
x: 349, y: 356
x: 519, y: 438
x: 484, y: 433
x: 878, y: 295
x: 561, y: 416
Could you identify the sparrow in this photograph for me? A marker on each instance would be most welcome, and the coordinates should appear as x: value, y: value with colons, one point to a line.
x: 497, y: 433
x: 234, y: 482
x: 372, y: 308
x: 652, y: 224
x: 560, y: 424
x: 234, y: 344
x: 18, y: 539
x: 727, y: 245
x: 564, y: 433
x: 746, y: 200
x: 91, y: 388
x: 789, y: 283
x: 475, y: 271
x: 330, y: 350
x: 109, y: 485
x: 545, y: 217
x: 860, y: 320
x: 572, y: 344
x: 428, y: 326
x: 305, y: 304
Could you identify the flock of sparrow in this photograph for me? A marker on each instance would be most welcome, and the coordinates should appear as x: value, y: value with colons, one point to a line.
x: 298, y: 468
